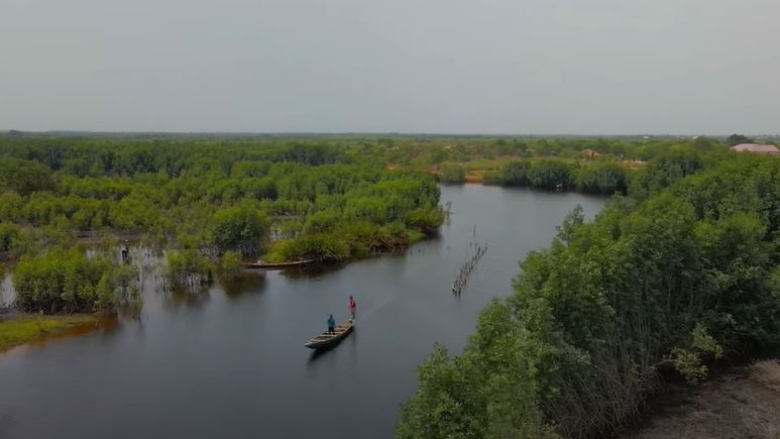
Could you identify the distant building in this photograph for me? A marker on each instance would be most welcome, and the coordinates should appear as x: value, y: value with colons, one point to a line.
x: 756, y: 148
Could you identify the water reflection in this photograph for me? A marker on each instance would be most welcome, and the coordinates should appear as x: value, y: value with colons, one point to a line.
x: 107, y: 328
x: 250, y: 282
x: 178, y: 298
x: 318, y: 353
x: 312, y: 271
x: 353, y: 344
x: 7, y: 421
x: 315, y: 271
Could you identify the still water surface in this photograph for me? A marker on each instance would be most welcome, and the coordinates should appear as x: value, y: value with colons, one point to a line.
x: 233, y: 365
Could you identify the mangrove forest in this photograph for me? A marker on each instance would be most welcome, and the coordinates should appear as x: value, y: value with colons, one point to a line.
x: 676, y: 277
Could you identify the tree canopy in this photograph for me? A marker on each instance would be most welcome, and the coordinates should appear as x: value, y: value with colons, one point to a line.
x: 294, y: 198
x: 672, y: 279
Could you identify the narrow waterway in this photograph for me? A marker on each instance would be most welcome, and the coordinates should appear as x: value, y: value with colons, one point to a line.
x: 233, y: 365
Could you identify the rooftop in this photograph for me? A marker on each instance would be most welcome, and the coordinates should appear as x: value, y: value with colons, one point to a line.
x: 754, y: 147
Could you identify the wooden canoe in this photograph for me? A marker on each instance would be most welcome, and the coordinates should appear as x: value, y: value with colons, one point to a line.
x: 261, y: 264
x: 325, y: 339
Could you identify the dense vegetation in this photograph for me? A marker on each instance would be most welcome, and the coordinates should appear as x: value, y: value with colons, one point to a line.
x: 605, y: 177
x: 211, y: 202
x: 678, y: 271
x: 681, y: 273
x: 589, y: 165
x: 309, y: 201
x: 216, y: 201
x: 68, y: 281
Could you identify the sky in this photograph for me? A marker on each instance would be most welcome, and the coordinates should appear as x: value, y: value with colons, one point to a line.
x: 407, y: 66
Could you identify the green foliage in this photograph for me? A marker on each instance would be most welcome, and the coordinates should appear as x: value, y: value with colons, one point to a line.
x: 425, y: 219
x: 310, y: 197
x: 14, y: 241
x: 451, y: 173
x: 240, y: 228
x: 569, y: 226
x: 179, y: 186
x: 596, y: 178
x: 688, y: 361
x: 215, y: 194
x: 230, y: 265
x: 488, y: 392
x: 550, y: 173
x: 605, y: 178
x: 24, y: 177
x: 187, y: 268
x: 515, y: 173
x: 684, y: 273
x: 538, y: 173
x: 368, y: 218
x: 661, y: 172
x: 319, y: 247
x: 736, y: 139
x: 68, y: 281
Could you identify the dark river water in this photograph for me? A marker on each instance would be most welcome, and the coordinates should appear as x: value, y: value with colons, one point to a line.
x: 233, y: 365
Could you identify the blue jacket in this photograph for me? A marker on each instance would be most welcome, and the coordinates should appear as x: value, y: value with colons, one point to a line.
x: 331, y: 322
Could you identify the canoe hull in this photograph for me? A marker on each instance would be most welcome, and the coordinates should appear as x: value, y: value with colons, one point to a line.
x: 326, y: 340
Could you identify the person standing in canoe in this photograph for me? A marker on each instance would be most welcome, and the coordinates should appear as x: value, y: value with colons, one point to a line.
x: 352, y: 307
x: 331, y: 325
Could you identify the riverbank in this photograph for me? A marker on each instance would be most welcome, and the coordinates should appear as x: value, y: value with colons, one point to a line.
x: 739, y: 404
x: 20, y: 328
x: 583, y: 175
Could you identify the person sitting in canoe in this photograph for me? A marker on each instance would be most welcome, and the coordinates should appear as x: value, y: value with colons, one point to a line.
x: 331, y: 325
x: 352, y: 307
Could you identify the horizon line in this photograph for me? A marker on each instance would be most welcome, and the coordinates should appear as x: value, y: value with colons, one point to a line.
x: 374, y: 133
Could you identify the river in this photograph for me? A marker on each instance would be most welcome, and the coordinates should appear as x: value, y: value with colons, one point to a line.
x: 233, y: 365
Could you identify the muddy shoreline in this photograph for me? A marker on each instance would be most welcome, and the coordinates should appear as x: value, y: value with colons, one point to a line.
x: 740, y: 402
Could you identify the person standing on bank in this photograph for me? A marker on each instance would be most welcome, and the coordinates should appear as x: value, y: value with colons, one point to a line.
x: 125, y: 252
x: 352, y: 307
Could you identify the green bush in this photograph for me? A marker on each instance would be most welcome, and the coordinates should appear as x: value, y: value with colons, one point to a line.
x: 187, y: 268
x: 14, y: 241
x: 67, y: 281
x: 230, y: 265
x: 452, y: 173
x: 240, y: 228
x: 672, y: 283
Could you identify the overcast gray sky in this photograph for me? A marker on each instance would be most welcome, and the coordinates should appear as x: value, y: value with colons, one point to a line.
x: 445, y: 66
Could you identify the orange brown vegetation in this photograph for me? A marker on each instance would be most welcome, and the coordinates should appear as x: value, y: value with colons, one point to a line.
x: 475, y: 177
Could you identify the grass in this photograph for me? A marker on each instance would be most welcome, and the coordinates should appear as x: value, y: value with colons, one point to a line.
x: 274, y: 253
x: 27, y: 328
x: 415, y: 236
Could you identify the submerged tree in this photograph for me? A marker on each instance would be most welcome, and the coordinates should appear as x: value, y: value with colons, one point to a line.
x: 187, y: 269
x: 67, y: 281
